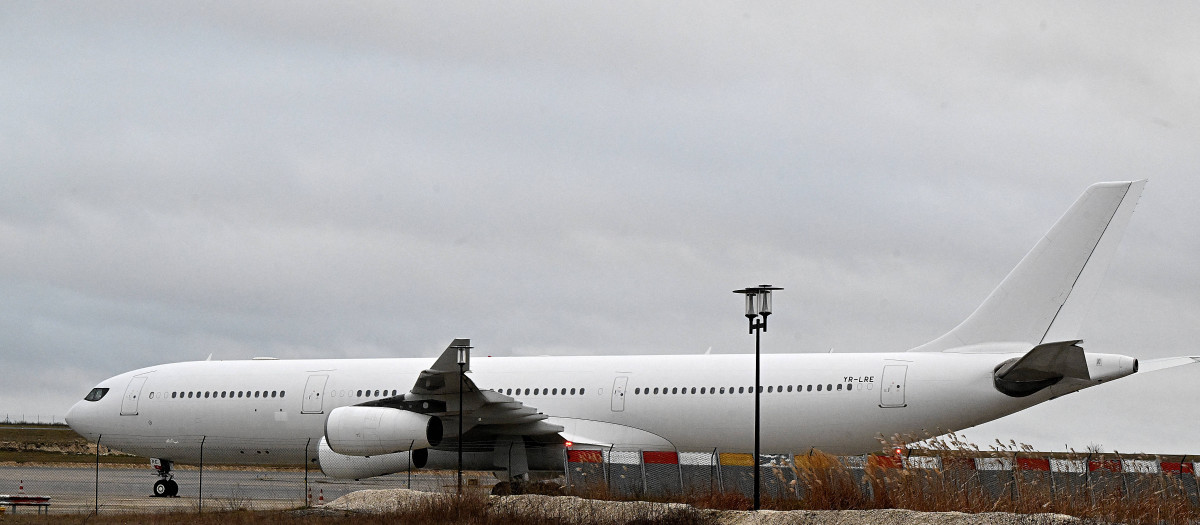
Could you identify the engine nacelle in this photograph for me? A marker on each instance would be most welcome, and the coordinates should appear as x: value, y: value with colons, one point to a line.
x: 341, y: 466
x: 372, y: 431
x: 1105, y: 367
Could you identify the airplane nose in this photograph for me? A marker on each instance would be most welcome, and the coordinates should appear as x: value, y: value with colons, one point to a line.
x: 74, y: 417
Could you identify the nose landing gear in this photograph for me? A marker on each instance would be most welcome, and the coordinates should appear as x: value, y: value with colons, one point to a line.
x: 165, y: 487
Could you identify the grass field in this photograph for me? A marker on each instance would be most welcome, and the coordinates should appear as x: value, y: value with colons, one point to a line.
x: 27, y: 443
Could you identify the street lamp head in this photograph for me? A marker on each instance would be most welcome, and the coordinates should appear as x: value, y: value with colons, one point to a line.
x: 464, y: 355
x: 758, y: 299
x: 764, y: 302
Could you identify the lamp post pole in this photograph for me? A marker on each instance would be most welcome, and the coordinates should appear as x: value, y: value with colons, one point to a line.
x: 464, y: 357
x: 758, y: 307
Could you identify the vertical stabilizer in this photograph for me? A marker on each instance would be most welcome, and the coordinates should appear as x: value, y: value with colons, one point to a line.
x: 1046, y: 296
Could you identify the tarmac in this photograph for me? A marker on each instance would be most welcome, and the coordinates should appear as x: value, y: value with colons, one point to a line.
x: 74, y: 489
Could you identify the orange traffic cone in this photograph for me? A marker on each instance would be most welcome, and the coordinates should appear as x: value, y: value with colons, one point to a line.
x: 21, y: 489
x: 321, y: 498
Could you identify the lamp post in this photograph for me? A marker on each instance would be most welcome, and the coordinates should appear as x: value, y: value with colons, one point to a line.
x: 758, y: 307
x: 464, y: 358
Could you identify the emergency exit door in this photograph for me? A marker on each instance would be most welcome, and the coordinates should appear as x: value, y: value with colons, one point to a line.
x: 892, y: 393
x: 129, y: 403
x: 618, y: 394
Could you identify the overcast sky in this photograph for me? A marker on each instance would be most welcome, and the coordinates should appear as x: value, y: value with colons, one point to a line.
x: 373, y: 179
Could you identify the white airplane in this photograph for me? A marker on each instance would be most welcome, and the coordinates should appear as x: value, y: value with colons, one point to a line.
x: 360, y: 418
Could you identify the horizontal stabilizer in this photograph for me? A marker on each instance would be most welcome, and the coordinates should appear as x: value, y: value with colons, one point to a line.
x: 1043, y: 366
x: 1049, y: 363
x: 1152, y: 365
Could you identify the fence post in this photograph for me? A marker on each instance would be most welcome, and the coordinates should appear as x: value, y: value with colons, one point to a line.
x: 1124, y: 480
x: 410, y: 449
x: 717, y: 468
x: 97, y: 510
x: 607, y: 469
x: 642, y: 464
x: 1053, y: 491
x: 566, y: 464
x: 200, y: 499
x: 1015, y: 492
x: 1087, y: 477
x: 304, y: 495
x: 679, y: 469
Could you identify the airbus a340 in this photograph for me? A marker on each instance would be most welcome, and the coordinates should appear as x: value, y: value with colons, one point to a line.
x: 359, y: 418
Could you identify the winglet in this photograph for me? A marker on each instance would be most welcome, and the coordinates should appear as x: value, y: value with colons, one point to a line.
x: 1046, y: 296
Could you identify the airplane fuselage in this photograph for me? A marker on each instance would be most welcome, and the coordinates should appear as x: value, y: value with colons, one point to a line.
x: 271, y: 411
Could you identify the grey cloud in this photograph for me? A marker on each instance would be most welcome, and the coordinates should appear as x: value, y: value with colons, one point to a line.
x: 311, y: 179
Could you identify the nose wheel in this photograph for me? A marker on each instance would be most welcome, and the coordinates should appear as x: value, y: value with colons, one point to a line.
x: 165, y: 487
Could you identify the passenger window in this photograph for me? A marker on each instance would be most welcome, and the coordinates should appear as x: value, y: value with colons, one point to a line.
x: 839, y: 387
x: 770, y: 390
x: 722, y: 390
x: 818, y: 388
x: 789, y: 388
x: 173, y: 394
x: 741, y: 389
x: 693, y: 390
x: 282, y: 392
x: 702, y: 390
x: 809, y: 388
x: 581, y: 391
x: 829, y: 387
x: 555, y: 391
x: 675, y: 390
x: 572, y: 391
x: 636, y: 391
x: 655, y: 390
x: 850, y: 387
x: 273, y: 392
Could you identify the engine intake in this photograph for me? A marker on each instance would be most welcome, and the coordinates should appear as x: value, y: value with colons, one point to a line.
x: 370, y: 431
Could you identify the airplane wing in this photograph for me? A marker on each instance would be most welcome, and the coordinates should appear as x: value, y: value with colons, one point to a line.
x: 437, y: 392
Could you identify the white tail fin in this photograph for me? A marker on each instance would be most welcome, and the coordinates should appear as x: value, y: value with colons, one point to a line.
x: 1045, y: 297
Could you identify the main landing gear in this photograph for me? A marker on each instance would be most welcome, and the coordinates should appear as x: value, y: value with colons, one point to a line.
x: 165, y: 487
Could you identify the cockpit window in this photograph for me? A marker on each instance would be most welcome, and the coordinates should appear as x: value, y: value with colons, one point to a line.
x: 96, y: 394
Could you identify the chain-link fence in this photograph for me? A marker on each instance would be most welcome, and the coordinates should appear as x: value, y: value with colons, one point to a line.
x: 976, y: 481
x: 216, y: 477
x: 213, y: 480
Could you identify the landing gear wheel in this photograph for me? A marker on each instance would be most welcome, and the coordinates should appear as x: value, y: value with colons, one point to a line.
x: 172, y: 488
x: 161, y: 489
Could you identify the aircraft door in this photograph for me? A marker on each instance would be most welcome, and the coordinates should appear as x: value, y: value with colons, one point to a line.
x: 892, y: 393
x: 129, y: 404
x: 618, y: 394
x: 314, y: 391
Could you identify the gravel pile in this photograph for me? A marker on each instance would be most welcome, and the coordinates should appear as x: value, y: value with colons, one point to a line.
x: 571, y: 509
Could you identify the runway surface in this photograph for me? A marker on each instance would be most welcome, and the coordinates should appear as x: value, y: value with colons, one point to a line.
x: 75, y: 489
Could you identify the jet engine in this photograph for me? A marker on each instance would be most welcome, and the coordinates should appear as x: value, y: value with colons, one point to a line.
x: 372, y: 431
x: 341, y: 466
